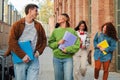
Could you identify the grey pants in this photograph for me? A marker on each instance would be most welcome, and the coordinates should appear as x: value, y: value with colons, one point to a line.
x: 80, y: 64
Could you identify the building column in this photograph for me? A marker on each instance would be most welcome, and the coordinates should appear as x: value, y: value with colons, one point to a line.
x: 70, y: 10
x: 85, y: 10
x: 110, y: 11
x: 60, y: 6
x: 77, y: 11
x: 5, y: 11
x: 64, y: 6
x: 73, y: 14
x: 68, y: 7
x: 9, y: 14
x: 51, y: 24
x: 2, y: 10
x: 81, y: 10
x: 14, y: 16
x: 56, y: 8
x: 94, y: 23
x: 82, y: 7
x: 95, y: 16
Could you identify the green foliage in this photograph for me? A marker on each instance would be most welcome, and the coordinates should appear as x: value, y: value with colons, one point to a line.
x: 46, y: 10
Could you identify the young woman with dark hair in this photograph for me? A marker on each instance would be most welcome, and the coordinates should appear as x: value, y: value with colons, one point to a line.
x: 85, y: 26
x: 108, y: 33
x: 80, y: 58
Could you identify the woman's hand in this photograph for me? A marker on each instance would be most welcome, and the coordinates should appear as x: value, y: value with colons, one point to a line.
x: 61, y: 41
x: 64, y: 50
x: 102, y: 49
x: 98, y: 46
x: 83, y: 47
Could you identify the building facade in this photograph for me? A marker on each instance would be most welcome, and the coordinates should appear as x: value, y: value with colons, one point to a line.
x: 95, y: 13
x: 8, y: 15
x: 4, y: 31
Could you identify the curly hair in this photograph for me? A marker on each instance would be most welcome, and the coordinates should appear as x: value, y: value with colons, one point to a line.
x: 110, y: 30
x: 82, y: 22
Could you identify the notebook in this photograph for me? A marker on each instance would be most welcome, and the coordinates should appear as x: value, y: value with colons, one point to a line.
x: 69, y: 40
x: 104, y: 44
x: 27, y: 48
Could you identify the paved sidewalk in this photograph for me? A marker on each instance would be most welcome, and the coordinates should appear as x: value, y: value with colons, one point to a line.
x: 46, y: 69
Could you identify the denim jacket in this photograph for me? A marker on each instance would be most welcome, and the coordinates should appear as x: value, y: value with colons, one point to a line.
x: 97, y: 53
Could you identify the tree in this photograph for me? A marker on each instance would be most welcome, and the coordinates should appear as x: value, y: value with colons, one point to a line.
x: 46, y: 10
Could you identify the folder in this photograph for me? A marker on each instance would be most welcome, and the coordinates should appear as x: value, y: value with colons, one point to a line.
x: 69, y: 40
x: 104, y: 44
x: 27, y: 48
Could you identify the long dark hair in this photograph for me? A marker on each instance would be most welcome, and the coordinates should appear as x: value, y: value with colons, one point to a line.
x: 110, y: 30
x: 82, y: 22
x: 57, y: 25
x: 67, y: 21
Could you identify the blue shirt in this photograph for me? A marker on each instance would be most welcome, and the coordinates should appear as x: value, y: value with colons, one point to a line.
x: 97, y: 53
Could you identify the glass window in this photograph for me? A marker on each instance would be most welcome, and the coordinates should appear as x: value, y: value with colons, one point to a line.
x: 90, y: 20
x: 119, y: 42
x: 1, y: 9
x: 118, y: 17
x: 118, y: 28
x: 119, y: 32
x: 119, y: 48
x: 118, y: 4
x: 118, y: 62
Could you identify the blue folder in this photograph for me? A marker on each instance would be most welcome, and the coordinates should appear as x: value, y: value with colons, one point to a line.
x: 69, y: 40
x: 27, y: 48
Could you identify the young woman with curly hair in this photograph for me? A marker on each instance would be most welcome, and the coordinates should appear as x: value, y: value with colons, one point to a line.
x: 108, y: 33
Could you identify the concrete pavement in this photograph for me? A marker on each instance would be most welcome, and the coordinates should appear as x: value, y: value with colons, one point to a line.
x: 47, y: 73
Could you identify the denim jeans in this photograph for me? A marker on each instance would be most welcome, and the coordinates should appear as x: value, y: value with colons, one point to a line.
x: 27, y: 71
x: 63, y: 68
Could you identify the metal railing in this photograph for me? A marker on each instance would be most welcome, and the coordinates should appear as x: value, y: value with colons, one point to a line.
x: 2, y: 62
